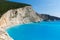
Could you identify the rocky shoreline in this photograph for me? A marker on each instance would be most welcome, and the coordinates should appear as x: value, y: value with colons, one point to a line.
x: 18, y: 13
x: 17, y: 16
x: 4, y: 35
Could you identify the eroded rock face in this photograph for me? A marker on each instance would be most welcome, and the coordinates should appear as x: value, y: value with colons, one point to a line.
x: 18, y: 16
x: 4, y: 35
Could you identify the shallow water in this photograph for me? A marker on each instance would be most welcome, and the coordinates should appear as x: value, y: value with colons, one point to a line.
x: 36, y: 31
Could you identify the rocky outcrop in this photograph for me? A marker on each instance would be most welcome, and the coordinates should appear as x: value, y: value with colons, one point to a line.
x: 4, y: 35
x: 46, y: 17
x: 12, y: 14
x: 18, y: 16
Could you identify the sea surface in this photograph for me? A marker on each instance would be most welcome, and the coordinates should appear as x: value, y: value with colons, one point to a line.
x: 36, y: 31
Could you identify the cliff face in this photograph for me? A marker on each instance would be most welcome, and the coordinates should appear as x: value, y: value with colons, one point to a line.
x: 4, y: 35
x: 12, y: 13
x: 18, y: 16
x: 47, y: 17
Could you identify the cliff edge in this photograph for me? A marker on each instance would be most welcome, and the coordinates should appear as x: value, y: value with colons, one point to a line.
x: 12, y: 13
x: 16, y: 16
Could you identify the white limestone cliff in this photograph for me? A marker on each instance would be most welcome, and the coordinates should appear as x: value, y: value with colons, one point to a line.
x: 4, y: 35
x: 18, y: 16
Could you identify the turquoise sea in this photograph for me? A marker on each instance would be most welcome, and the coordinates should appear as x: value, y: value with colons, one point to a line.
x: 36, y: 31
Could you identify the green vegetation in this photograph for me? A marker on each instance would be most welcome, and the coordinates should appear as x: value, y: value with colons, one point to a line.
x: 6, y: 5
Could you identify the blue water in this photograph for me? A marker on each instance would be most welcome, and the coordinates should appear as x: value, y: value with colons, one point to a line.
x: 36, y: 31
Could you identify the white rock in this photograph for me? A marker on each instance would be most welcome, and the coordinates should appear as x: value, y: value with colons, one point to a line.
x: 18, y: 16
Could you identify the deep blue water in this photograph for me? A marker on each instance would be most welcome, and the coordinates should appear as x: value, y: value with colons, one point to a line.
x: 36, y: 31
